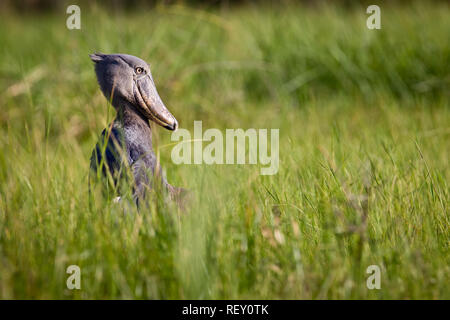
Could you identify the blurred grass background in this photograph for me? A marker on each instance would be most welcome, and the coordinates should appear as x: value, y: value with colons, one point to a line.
x: 364, y: 139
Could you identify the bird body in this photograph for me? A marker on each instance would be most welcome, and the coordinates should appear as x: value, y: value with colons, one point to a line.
x: 125, y: 147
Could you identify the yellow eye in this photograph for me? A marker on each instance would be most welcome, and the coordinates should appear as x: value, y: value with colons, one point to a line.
x: 139, y: 70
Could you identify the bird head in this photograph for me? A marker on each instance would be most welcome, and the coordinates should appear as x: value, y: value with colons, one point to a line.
x: 123, y: 77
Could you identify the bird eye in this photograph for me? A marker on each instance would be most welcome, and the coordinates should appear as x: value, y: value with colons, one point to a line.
x: 139, y: 70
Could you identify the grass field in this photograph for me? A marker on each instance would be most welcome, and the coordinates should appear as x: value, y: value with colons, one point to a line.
x: 364, y: 176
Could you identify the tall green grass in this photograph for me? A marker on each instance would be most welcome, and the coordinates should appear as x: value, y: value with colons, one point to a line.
x: 364, y: 139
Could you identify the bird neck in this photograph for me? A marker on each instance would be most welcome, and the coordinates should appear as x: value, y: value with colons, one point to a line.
x: 129, y: 116
x: 136, y: 128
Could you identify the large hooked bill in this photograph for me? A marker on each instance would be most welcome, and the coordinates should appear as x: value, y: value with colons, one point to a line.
x: 151, y: 104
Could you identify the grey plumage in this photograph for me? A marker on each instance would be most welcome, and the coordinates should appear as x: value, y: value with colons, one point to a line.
x: 126, y: 145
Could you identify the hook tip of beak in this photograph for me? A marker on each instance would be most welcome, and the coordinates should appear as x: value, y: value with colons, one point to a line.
x: 175, y: 125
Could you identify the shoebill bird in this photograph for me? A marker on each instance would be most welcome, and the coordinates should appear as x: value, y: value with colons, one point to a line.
x: 126, y: 145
